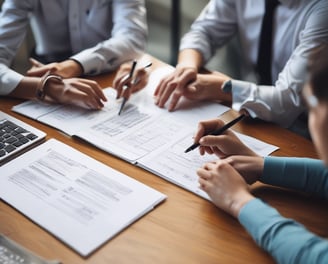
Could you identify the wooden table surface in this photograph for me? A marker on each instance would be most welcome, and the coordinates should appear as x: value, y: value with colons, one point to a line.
x: 185, y: 228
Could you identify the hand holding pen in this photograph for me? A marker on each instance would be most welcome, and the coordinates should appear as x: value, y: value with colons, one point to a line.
x: 130, y: 79
x: 214, y: 137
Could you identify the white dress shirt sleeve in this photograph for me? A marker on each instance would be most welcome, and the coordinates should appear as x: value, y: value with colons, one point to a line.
x: 214, y: 27
x: 127, y: 41
x: 280, y: 103
x: 13, y: 25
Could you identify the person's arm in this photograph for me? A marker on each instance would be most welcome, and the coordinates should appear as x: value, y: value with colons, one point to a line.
x: 214, y: 27
x: 282, y: 103
x: 286, y: 240
x: 175, y: 85
x: 53, y: 88
x: 127, y: 41
x: 13, y: 27
x: 302, y: 174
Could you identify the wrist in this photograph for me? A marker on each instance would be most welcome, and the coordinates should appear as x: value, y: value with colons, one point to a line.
x: 186, y: 66
x: 43, y: 85
x: 239, y: 203
x: 71, y: 68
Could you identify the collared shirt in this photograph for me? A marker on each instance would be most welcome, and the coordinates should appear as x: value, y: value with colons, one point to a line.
x: 99, y: 34
x: 299, y: 26
x: 285, y: 239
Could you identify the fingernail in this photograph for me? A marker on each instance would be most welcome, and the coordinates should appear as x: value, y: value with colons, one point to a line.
x: 192, y: 89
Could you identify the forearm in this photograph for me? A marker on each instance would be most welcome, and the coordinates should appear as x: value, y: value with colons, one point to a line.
x: 302, y: 174
x: 27, y: 88
x: 286, y: 240
x: 190, y: 58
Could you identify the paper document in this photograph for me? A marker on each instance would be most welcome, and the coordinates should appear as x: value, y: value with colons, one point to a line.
x: 78, y: 199
x: 144, y: 134
x: 141, y: 127
x: 172, y: 164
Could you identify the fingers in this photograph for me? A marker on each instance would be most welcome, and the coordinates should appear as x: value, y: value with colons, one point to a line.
x: 35, y: 63
x: 76, y: 91
x: 203, y: 180
x: 173, y: 87
x: 95, y: 87
x: 165, y: 94
x: 207, y: 126
x: 123, y: 81
x: 140, y: 80
x: 41, y: 70
x: 89, y: 93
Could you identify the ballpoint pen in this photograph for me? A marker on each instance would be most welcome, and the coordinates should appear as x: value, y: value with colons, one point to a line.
x: 217, y: 131
x: 134, y: 64
x: 135, y: 81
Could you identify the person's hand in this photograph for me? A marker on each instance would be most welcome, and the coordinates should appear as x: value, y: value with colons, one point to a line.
x: 66, y: 69
x: 186, y: 82
x: 224, y: 145
x: 207, y: 87
x: 75, y: 91
x: 122, y: 80
x: 249, y: 167
x: 174, y: 86
x: 225, y: 186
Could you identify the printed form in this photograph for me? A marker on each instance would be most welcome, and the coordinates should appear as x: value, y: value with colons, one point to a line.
x: 141, y: 128
x: 78, y: 199
x: 145, y: 134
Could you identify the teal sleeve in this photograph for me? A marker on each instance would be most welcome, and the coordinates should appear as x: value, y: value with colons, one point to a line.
x: 286, y: 240
x: 302, y: 174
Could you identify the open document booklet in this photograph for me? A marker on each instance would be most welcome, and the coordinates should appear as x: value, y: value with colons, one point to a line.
x: 143, y: 134
x: 76, y: 198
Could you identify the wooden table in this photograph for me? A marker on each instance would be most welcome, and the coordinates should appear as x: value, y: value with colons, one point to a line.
x: 183, y: 229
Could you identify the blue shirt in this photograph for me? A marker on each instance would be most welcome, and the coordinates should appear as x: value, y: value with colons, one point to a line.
x: 285, y: 239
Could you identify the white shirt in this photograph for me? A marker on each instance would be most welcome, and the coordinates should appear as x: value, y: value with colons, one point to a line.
x: 299, y: 26
x: 100, y: 34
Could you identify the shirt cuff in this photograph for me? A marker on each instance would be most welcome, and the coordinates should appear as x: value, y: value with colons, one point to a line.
x: 245, y: 96
x: 9, y: 81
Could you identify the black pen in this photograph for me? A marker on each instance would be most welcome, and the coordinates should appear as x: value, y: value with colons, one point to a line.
x: 134, y: 82
x: 134, y: 64
x: 218, y: 131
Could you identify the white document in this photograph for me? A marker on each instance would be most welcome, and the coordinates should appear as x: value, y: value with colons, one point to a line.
x: 141, y: 128
x: 172, y: 164
x: 78, y: 199
x: 144, y: 134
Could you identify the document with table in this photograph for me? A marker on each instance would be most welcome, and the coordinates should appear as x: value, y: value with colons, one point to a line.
x: 143, y: 134
x: 79, y: 200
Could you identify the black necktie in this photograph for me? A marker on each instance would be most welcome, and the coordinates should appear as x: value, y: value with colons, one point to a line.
x: 264, y: 59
